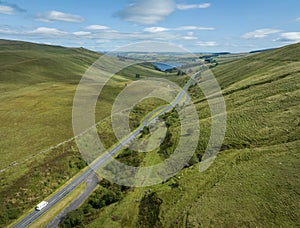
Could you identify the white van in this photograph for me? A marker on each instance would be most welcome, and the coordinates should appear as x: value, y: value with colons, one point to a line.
x: 41, y: 205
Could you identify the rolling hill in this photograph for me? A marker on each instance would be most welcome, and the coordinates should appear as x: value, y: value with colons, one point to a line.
x: 37, y: 84
x: 254, y: 181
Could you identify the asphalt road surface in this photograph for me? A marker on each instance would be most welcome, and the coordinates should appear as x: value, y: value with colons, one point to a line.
x: 91, y: 184
x: 102, y: 160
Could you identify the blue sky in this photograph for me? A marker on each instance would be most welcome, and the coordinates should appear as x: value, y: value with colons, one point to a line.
x: 199, y: 26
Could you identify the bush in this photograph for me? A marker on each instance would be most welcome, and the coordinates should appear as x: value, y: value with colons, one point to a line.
x: 13, y: 213
x: 3, y: 218
x: 149, y: 211
x: 73, y: 219
x: 146, y: 130
x: 103, y: 197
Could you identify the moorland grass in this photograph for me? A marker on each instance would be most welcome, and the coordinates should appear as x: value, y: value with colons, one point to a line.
x: 37, y: 84
x: 254, y: 181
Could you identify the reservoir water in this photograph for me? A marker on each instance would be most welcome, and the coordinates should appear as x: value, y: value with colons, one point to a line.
x: 163, y: 66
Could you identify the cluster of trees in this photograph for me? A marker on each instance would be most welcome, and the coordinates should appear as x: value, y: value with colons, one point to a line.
x: 130, y: 157
x: 172, y: 121
x: 78, y: 163
x: 10, y: 213
x: 149, y: 211
x: 165, y: 149
x: 169, y: 144
x: 107, y: 194
x: 180, y: 73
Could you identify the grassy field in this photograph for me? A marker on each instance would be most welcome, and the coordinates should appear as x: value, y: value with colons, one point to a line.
x: 37, y: 84
x: 254, y: 181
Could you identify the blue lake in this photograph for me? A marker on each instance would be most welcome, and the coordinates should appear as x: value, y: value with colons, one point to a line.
x: 165, y: 66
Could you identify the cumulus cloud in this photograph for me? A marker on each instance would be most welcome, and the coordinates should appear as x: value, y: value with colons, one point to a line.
x: 6, y: 9
x: 7, y: 31
x: 289, y: 37
x: 12, y: 7
x: 207, y: 43
x: 96, y: 27
x: 181, y: 28
x: 81, y: 33
x: 48, y: 32
x: 45, y: 31
x: 40, y: 31
x: 156, y: 29
x: 192, y: 6
x: 101, y: 36
x: 154, y: 11
x: 260, y: 33
x: 59, y: 16
x: 189, y: 38
x: 147, y: 11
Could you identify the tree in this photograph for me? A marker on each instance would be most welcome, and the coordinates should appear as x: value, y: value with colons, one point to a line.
x: 137, y: 75
x: 73, y: 219
x: 180, y: 73
x: 146, y: 130
x: 148, y: 215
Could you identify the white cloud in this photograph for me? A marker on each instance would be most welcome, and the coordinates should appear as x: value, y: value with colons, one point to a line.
x: 154, y: 11
x: 10, y: 8
x: 96, y: 27
x: 298, y: 19
x: 9, y: 32
x: 100, y: 36
x: 44, y: 31
x: 289, y: 37
x: 182, y: 28
x: 156, y: 29
x: 41, y: 31
x: 147, y: 11
x: 260, y: 33
x: 207, y: 43
x: 192, y: 6
x: 59, y: 16
x: 81, y: 33
x: 189, y: 37
x: 6, y: 10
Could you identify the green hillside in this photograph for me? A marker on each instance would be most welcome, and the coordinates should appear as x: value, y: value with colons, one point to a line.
x: 254, y: 181
x: 28, y: 63
x: 37, y: 83
x: 37, y: 86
